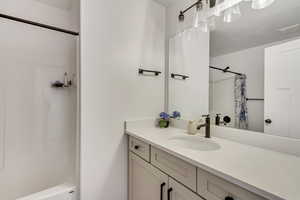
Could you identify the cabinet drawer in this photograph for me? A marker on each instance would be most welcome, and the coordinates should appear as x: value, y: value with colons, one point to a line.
x: 140, y: 148
x: 214, y: 188
x: 175, y: 167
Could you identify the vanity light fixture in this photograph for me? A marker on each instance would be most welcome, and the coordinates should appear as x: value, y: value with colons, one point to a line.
x: 207, y: 10
x: 260, y: 4
x: 232, y: 13
x: 197, y: 13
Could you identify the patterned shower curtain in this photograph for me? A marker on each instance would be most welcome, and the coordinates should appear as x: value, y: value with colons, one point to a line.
x: 240, y: 98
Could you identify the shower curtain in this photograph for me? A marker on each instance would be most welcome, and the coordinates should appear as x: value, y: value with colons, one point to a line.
x: 240, y: 98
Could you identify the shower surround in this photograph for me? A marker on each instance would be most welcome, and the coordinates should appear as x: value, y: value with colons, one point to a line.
x: 38, y: 123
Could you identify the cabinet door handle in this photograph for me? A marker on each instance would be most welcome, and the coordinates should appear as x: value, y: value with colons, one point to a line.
x: 162, y: 190
x: 169, y: 193
x: 229, y: 198
x: 136, y: 147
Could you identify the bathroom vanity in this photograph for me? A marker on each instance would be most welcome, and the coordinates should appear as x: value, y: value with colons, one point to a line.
x: 168, y: 164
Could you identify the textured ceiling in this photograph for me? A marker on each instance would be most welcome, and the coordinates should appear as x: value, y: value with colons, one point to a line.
x: 256, y: 27
x: 167, y: 2
x: 62, y: 4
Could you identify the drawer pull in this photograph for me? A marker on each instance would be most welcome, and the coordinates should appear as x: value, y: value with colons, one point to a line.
x: 229, y: 198
x: 169, y: 193
x: 136, y: 147
x: 162, y: 190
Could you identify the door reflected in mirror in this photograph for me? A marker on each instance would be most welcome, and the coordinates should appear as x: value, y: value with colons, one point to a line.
x: 254, y: 81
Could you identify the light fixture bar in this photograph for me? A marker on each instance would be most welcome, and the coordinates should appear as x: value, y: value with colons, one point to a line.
x: 182, y: 12
x: 211, y: 12
x: 207, y: 15
x: 190, y: 7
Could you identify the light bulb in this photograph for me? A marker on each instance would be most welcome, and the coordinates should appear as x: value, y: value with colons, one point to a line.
x: 236, y: 10
x: 206, y: 5
x: 180, y: 28
x: 232, y: 14
x: 204, y: 26
x: 260, y: 4
x: 196, y: 19
x: 212, y: 23
x: 228, y: 15
x: 217, y: 8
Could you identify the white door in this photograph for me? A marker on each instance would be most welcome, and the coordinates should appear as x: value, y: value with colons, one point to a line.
x: 176, y: 191
x: 145, y: 181
x: 282, y: 89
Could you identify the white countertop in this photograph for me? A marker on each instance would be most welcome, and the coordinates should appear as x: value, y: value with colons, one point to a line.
x: 270, y: 174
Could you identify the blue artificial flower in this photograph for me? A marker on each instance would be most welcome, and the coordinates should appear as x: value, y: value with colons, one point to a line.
x: 176, y: 114
x: 164, y: 115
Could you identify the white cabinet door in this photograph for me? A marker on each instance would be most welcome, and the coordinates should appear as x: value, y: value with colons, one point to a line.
x: 282, y: 89
x: 177, y: 191
x: 145, y: 181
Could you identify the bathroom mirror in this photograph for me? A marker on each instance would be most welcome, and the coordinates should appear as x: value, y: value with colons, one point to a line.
x: 254, y: 79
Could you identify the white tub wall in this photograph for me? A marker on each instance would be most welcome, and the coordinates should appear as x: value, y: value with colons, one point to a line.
x: 40, y: 129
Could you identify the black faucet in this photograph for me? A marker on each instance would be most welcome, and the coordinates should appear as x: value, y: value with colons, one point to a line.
x: 218, y: 119
x: 206, y: 125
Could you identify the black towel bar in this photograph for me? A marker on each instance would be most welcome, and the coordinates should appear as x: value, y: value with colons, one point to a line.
x: 254, y: 99
x: 156, y: 73
x: 184, y: 77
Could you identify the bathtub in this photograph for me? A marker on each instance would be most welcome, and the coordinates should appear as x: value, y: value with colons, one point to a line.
x: 61, y: 192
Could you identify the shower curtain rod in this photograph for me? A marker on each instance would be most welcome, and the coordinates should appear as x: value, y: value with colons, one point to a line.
x: 38, y: 24
x: 226, y: 70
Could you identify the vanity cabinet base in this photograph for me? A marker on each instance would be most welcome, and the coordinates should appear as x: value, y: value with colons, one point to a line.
x: 145, y: 181
x: 166, y: 177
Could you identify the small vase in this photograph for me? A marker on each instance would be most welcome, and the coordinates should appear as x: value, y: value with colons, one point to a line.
x: 163, y: 123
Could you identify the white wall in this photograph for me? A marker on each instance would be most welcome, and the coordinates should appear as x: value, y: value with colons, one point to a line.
x: 188, y: 55
x: 117, y: 37
x: 60, y: 13
x: 38, y: 122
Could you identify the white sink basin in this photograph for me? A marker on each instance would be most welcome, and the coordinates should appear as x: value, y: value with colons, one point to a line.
x: 194, y: 143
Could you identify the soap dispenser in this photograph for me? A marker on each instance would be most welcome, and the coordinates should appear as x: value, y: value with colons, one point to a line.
x: 192, y: 126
